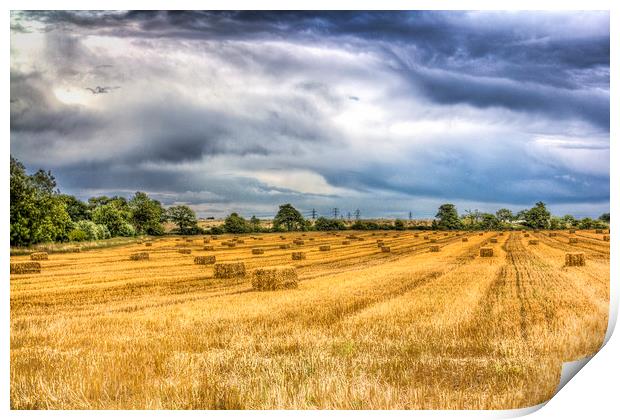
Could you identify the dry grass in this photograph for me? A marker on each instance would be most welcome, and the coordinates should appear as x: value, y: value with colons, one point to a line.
x: 409, y: 329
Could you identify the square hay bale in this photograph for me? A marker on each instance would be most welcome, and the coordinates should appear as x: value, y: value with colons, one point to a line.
x: 282, y: 237
x: 298, y: 255
x: 204, y: 259
x: 552, y: 234
x: 575, y: 259
x: 434, y: 248
x: 139, y: 256
x: 426, y: 237
x: 486, y: 252
x: 464, y: 240
x: 311, y: 239
x: 274, y: 278
x: 501, y: 234
x: 445, y: 234
x: 536, y: 231
x: 38, y: 256
x: 185, y: 251
x: 148, y: 244
x: 298, y: 242
x: 571, y: 231
x: 353, y: 237
x: 229, y: 270
x: 75, y: 249
x: 493, y: 240
x: 189, y: 241
x: 533, y: 242
x: 240, y: 241
x: 285, y: 246
x: 214, y: 237
x: 346, y: 242
x: 527, y: 235
x: 177, y: 239
x: 25, y: 268
x: 139, y: 242
x: 324, y: 248
x: 208, y: 248
x: 480, y: 234
x: 230, y: 244
x: 572, y: 240
x: 599, y: 230
x: 206, y: 240
x: 260, y: 239
x: 433, y: 241
x: 606, y: 238
x: 416, y: 235
x: 258, y: 251
x: 385, y: 249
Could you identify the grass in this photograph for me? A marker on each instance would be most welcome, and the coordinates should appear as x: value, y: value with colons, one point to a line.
x: 364, y: 329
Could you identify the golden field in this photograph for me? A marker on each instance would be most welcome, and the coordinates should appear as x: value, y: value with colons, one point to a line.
x: 365, y: 329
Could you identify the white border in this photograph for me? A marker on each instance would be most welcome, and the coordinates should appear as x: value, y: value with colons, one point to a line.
x: 593, y: 393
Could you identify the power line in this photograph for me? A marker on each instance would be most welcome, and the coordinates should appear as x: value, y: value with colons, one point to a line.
x: 313, y: 213
x: 335, y: 210
x: 357, y: 214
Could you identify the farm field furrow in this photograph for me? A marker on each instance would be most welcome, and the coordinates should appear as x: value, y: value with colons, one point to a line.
x: 365, y: 329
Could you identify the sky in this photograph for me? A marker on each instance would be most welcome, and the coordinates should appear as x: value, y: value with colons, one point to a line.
x: 385, y: 112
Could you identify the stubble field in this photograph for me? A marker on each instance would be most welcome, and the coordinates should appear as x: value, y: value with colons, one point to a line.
x: 365, y: 329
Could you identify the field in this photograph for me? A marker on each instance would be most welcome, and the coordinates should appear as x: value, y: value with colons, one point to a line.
x: 365, y: 329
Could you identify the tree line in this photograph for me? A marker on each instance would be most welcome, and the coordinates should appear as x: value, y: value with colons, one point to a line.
x: 39, y: 212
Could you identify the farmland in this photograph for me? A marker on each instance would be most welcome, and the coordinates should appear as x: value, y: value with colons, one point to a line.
x: 367, y: 328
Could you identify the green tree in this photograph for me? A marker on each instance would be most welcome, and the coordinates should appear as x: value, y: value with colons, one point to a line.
x: 557, y: 223
x: 289, y: 218
x: 77, y: 209
x: 255, y: 223
x: 146, y: 214
x: 569, y: 220
x: 447, y: 217
x: 538, y: 216
x: 184, y: 218
x: 504, y: 215
x: 489, y: 221
x: 116, y: 220
x: 235, y: 224
x: 37, y: 213
x: 323, y: 223
x: 586, y: 223
x: 399, y: 224
x: 604, y: 218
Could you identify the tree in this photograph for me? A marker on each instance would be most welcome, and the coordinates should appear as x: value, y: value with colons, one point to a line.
x: 472, y: 217
x: 399, y: 224
x: 504, y: 215
x: 489, y: 221
x: 323, y: 223
x: 538, y: 216
x: 235, y: 224
x: 146, y: 214
x: 255, y: 223
x: 77, y: 209
x: 557, y: 223
x: 37, y: 213
x: 604, y: 218
x: 184, y: 218
x: 116, y: 220
x: 448, y: 218
x: 586, y: 223
x: 288, y: 217
x: 569, y: 220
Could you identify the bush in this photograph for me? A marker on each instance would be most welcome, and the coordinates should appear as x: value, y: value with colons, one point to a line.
x: 323, y: 223
x: 77, y: 235
x: 126, y: 229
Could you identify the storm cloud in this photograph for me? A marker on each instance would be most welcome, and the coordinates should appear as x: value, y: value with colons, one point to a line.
x: 388, y: 112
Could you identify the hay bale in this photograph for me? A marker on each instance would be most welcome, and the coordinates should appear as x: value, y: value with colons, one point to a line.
x: 38, y: 256
x: 208, y: 248
x: 599, y: 231
x: 536, y: 231
x: 527, y: 235
x: 229, y: 270
x: 493, y: 240
x: 139, y: 242
x: 274, y: 278
x: 204, y: 259
x: 214, y: 237
x: 416, y: 235
x: 480, y: 234
x: 285, y: 246
x: 433, y: 241
x: 501, y: 234
x: 324, y: 248
x: 206, y: 240
x: 189, y: 241
x: 572, y: 240
x: 311, y: 239
x: 486, y: 252
x: 25, y: 268
x: 346, y: 242
x: 148, y: 244
x: 606, y: 238
x: 426, y: 237
x: 298, y: 242
x: 445, y: 234
x: 575, y: 259
x: 552, y: 234
x: 464, y: 240
x: 230, y: 244
x: 260, y: 239
x: 240, y: 241
x: 533, y: 242
x: 185, y: 251
x: 571, y: 231
x: 434, y: 248
x: 360, y: 239
x: 139, y: 256
x: 258, y: 251
x: 385, y: 249
x: 298, y: 255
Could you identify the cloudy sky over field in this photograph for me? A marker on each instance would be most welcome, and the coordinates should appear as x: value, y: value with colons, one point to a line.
x: 385, y: 112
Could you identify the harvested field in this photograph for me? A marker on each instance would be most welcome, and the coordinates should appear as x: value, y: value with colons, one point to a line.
x: 362, y: 330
